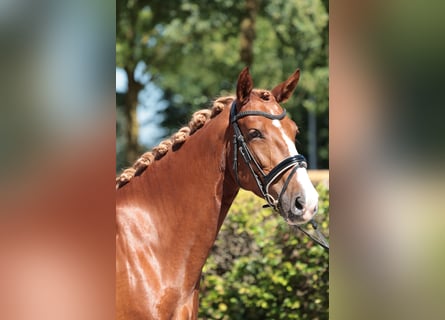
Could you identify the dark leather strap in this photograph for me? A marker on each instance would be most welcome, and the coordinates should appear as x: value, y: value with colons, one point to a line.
x: 283, y: 164
x: 235, y: 116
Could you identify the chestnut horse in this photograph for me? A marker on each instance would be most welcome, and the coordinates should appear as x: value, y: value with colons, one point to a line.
x: 170, y: 205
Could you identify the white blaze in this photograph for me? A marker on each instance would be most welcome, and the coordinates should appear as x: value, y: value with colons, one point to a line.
x: 310, y: 194
x: 290, y: 144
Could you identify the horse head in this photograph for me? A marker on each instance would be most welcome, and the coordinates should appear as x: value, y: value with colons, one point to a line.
x: 265, y: 159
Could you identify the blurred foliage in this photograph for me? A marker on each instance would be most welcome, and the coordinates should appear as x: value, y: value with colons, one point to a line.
x: 260, y: 269
x: 191, y: 49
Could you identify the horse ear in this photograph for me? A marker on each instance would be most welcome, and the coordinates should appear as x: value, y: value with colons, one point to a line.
x: 244, y: 86
x: 284, y: 90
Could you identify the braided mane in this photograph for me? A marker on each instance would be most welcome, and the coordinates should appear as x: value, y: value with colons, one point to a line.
x: 199, y: 118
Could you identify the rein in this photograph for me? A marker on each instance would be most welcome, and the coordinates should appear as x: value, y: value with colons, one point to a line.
x: 263, y: 180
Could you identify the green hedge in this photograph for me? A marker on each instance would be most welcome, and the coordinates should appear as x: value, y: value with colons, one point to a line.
x: 260, y: 269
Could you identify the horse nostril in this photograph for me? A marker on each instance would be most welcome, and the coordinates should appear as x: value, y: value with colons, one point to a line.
x: 298, y: 204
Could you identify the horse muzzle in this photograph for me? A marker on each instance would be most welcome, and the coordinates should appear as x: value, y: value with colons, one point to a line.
x: 300, y: 214
x: 299, y: 204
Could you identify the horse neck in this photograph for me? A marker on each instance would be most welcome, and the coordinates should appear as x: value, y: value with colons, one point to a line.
x: 195, y: 176
x: 184, y: 198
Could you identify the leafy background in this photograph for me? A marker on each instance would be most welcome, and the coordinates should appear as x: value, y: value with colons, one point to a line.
x: 260, y: 269
x: 176, y: 56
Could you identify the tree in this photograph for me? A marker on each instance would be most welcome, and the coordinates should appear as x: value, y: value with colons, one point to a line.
x: 194, y: 49
x: 137, y: 22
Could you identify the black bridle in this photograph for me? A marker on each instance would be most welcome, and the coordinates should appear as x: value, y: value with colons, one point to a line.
x: 262, y: 179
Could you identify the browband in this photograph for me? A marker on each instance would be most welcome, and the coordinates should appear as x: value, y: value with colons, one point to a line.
x: 235, y: 116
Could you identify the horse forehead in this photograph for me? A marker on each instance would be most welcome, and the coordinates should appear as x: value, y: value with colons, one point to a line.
x: 269, y: 106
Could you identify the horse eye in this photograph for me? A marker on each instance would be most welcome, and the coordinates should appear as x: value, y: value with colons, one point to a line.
x: 254, y: 133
